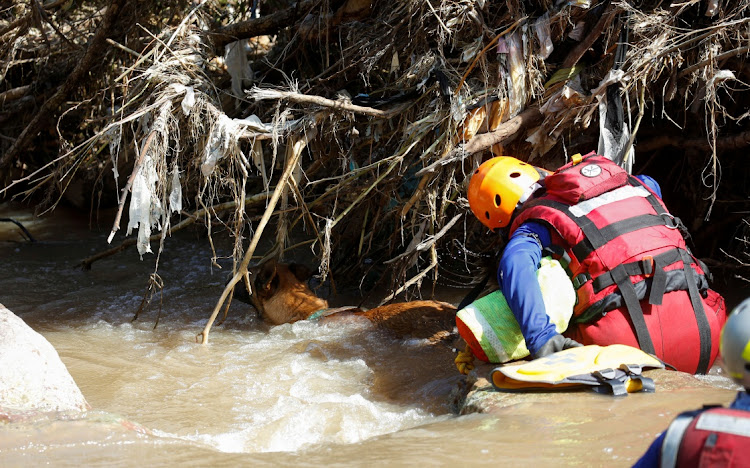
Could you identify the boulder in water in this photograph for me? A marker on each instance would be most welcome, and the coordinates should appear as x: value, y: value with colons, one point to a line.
x: 32, y: 376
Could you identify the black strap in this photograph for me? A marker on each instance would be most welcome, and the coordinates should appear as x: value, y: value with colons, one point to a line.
x: 644, y: 266
x: 658, y: 283
x: 635, y: 372
x: 586, y: 247
x: 633, y: 305
x: 610, y: 383
x: 704, y: 330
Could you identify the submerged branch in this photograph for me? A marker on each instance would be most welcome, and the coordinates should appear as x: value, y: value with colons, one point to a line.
x: 252, y: 200
x: 242, y: 271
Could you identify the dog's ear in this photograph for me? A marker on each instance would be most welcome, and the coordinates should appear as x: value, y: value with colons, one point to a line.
x: 266, y: 275
x: 301, y: 272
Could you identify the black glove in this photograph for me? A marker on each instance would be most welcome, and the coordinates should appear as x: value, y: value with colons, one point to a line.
x: 555, y: 344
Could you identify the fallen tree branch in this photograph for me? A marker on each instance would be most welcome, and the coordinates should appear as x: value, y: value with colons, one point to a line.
x: 577, y: 52
x: 509, y: 29
x: 260, y: 94
x: 506, y: 132
x: 269, y: 24
x: 96, y: 49
x: 13, y: 94
x: 415, y: 279
x: 718, y: 58
x: 252, y: 200
x: 427, y: 243
x: 22, y: 21
x: 242, y: 271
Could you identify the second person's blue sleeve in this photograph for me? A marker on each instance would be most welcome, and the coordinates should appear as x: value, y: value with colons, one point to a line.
x: 518, y: 282
x: 650, y: 459
x: 650, y: 183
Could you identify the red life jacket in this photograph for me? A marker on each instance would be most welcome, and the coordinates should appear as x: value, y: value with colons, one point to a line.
x: 712, y: 437
x: 618, y: 243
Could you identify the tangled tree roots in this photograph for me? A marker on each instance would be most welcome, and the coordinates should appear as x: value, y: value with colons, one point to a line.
x: 377, y: 111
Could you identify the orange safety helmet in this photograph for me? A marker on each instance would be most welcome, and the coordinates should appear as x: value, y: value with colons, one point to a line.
x: 497, y: 186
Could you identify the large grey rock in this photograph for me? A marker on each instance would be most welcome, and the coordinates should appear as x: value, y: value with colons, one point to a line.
x: 32, y: 376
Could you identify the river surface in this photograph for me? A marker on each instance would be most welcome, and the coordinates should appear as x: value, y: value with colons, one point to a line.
x: 302, y: 394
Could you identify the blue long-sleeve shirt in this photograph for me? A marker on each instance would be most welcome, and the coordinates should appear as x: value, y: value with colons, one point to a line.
x: 517, y: 278
x: 652, y: 457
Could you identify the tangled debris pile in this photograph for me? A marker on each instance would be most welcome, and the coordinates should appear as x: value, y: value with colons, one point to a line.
x: 356, y: 122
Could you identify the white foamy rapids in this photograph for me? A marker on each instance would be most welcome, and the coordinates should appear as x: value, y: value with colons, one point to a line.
x: 289, y: 392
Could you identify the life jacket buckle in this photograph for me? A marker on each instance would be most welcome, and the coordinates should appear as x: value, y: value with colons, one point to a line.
x: 648, y: 265
x: 580, y: 280
x: 670, y: 221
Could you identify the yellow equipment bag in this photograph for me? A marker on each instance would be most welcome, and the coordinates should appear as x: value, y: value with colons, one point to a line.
x: 615, y: 369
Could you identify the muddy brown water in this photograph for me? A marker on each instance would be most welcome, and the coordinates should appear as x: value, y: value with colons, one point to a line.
x: 300, y: 394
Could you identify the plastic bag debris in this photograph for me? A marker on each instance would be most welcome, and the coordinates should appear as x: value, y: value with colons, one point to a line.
x: 543, y: 35
x: 238, y: 67
x: 175, y: 195
x: 145, y: 208
x: 224, y: 137
x: 517, y: 75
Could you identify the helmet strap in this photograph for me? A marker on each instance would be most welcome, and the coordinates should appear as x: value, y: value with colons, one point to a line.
x: 528, y: 193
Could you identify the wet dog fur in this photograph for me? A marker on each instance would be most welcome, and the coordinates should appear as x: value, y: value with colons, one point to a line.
x: 281, y: 295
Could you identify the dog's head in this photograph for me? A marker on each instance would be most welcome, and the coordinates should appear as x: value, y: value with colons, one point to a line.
x: 280, y: 293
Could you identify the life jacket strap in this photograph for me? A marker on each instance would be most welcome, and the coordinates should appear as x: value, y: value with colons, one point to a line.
x: 635, y: 372
x: 617, y: 381
x: 633, y: 306
x: 704, y: 330
x: 670, y: 447
x: 607, y: 233
x: 610, y: 383
x: 648, y: 266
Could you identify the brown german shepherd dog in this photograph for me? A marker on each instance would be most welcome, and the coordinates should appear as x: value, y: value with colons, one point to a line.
x: 281, y: 295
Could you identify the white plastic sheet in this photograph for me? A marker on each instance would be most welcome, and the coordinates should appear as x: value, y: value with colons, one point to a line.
x: 543, y: 35
x: 224, y: 137
x: 517, y: 75
x: 145, y: 208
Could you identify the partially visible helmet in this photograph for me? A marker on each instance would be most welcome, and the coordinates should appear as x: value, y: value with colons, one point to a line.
x: 735, y: 344
x: 496, y: 188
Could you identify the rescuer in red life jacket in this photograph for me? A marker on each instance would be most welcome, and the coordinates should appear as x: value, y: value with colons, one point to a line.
x: 718, y: 436
x: 636, y: 281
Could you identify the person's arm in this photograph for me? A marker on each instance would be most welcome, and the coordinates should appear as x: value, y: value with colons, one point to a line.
x: 742, y: 402
x: 651, y: 459
x: 649, y: 182
x: 518, y: 282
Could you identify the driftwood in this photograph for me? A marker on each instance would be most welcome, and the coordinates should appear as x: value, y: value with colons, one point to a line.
x: 270, y: 24
x: 191, y: 219
x: 397, y: 103
x: 505, y: 133
x: 94, y: 52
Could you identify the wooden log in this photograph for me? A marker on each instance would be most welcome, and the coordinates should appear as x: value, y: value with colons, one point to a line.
x: 269, y: 24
